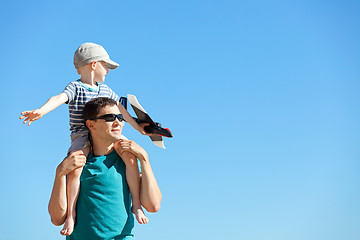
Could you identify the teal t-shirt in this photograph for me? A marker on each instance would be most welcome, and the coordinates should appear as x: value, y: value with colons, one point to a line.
x: 103, y: 209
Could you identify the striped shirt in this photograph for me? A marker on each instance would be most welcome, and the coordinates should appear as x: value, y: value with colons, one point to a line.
x: 79, y: 95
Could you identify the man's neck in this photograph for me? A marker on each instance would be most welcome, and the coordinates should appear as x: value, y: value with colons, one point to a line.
x: 101, y: 149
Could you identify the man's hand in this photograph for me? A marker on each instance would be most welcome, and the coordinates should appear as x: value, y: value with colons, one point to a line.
x: 31, y: 116
x: 124, y: 145
x: 73, y: 161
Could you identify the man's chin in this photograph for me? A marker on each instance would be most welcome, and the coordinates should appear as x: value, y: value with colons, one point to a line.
x: 116, y: 137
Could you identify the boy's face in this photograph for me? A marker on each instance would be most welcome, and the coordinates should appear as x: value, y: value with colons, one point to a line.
x: 100, y: 71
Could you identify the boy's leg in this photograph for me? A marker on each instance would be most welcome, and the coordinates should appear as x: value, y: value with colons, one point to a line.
x: 72, y: 190
x: 133, y: 180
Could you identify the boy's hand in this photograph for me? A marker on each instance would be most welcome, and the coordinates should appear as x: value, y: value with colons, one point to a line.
x: 31, y: 116
x: 143, y: 132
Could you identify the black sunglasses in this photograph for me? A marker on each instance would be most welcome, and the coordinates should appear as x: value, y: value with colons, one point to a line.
x: 110, y: 117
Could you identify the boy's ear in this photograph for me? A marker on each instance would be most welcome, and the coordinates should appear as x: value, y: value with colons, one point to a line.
x: 90, y: 124
x: 93, y: 65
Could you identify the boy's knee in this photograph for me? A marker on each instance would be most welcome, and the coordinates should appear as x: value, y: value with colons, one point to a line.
x: 153, y: 208
x: 57, y: 221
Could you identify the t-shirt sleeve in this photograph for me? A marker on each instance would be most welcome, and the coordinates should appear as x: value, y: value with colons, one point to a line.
x: 70, y: 90
x: 113, y: 95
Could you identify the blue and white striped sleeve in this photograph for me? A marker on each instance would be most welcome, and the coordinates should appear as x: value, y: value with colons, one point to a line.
x: 70, y: 90
x: 113, y: 95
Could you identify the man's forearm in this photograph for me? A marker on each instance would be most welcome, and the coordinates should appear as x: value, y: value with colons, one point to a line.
x: 58, y: 202
x: 58, y: 205
x: 150, y: 195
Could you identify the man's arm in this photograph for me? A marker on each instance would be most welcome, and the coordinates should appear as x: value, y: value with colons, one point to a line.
x: 150, y: 194
x: 58, y: 203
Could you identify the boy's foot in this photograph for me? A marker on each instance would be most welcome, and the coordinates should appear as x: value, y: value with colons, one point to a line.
x: 140, y: 215
x: 68, y: 226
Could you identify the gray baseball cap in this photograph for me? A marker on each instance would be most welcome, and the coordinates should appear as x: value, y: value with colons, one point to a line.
x: 89, y: 52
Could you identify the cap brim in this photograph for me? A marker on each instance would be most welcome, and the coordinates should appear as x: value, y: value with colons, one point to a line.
x: 111, y: 64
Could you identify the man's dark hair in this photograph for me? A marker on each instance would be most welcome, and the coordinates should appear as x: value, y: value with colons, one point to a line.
x: 92, y: 107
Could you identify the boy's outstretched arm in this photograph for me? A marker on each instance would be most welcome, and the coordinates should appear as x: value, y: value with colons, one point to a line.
x: 131, y: 121
x: 50, y: 105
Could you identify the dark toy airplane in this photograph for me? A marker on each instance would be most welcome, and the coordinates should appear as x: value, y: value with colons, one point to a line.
x: 143, y: 117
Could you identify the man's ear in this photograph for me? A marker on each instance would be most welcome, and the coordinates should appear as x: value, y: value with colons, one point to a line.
x: 90, y: 124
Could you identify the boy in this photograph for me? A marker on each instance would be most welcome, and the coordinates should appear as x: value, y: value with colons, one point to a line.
x: 92, y: 63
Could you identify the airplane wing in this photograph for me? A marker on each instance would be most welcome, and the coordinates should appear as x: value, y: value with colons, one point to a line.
x: 154, y: 128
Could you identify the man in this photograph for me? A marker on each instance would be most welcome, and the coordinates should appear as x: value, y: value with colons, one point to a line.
x: 104, y: 204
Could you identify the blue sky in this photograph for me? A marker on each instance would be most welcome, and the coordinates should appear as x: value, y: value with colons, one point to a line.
x: 262, y: 98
